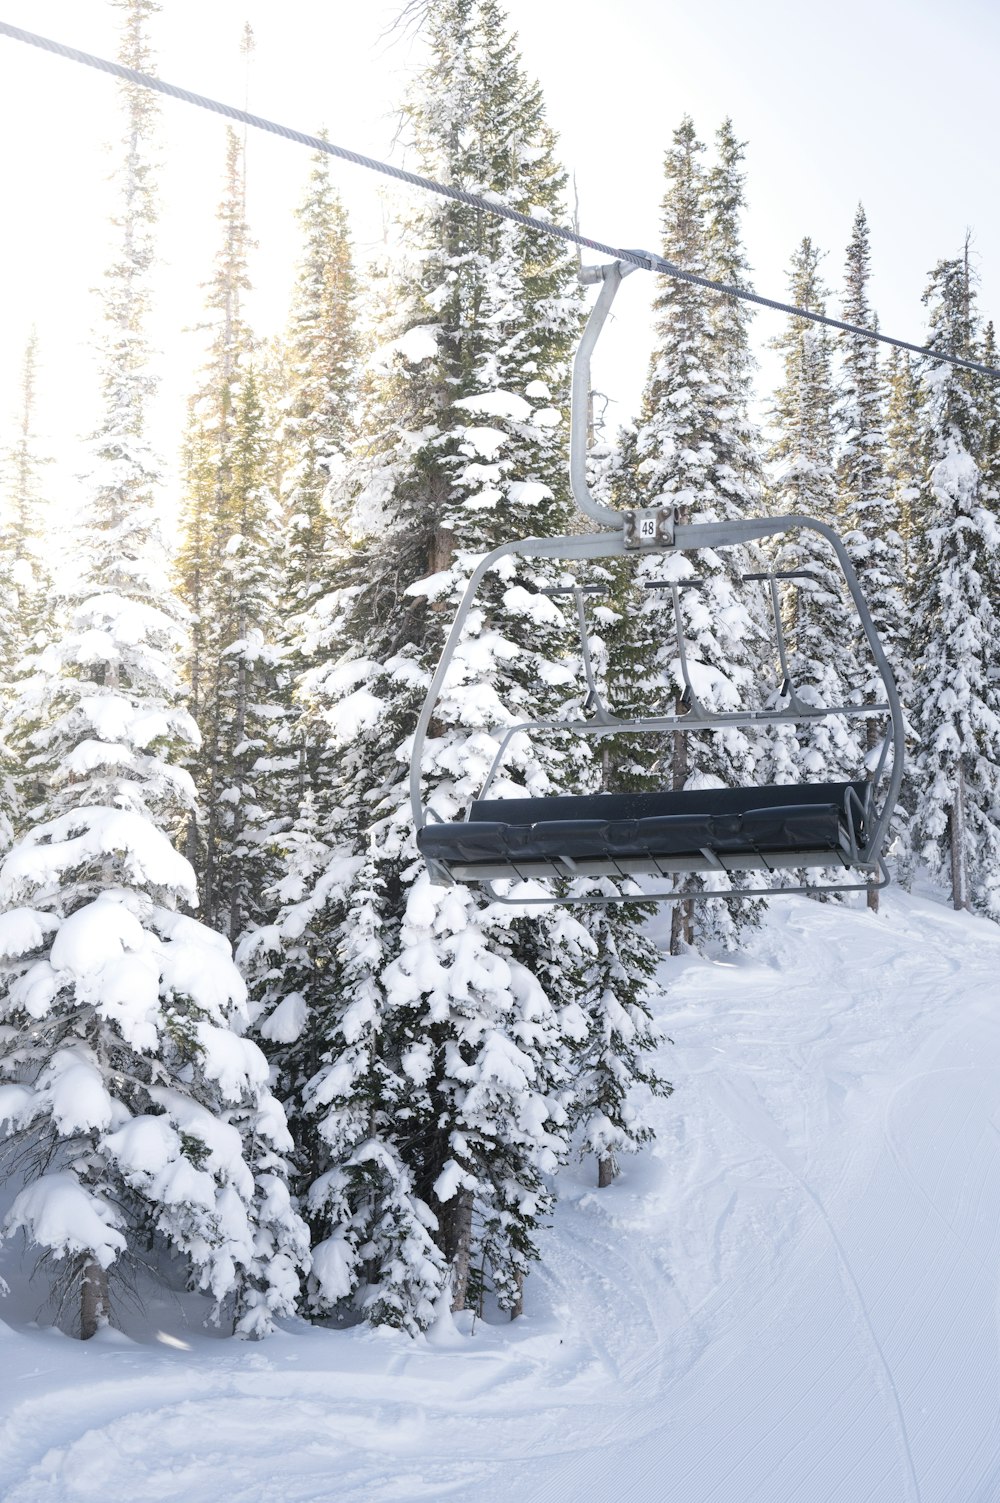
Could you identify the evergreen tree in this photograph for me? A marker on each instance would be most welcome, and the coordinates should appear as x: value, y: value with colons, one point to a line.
x: 988, y: 399
x: 819, y: 619
x: 252, y: 687
x: 208, y: 469
x: 26, y: 596
x: 230, y: 580
x: 739, y: 470
x: 695, y: 450
x: 318, y: 406
x: 618, y: 991
x: 322, y: 359
x: 903, y: 465
x: 439, y: 1099
x: 139, y: 1116
x: 866, y: 502
x: 904, y: 470
x: 957, y: 768
x: 27, y: 583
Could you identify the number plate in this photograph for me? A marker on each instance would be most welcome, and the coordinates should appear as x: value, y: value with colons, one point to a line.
x: 649, y: 527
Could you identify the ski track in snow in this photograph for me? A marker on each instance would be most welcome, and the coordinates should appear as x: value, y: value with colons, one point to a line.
x: 792, y: 1296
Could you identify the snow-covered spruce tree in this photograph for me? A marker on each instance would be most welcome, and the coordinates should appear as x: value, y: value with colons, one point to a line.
x: 616, y: 964
x: 740, y: 477
x: 317, y: 402
x: 611, y: 1063
x: 322, y: 359
x: 208, y: 465
x: 694, y: 451
x: 866, y: 502
x: 904, y: 468
x: 819, y: 624
x: 26, y: 575
x: 252, y: 698
x: 988, y: 401
x: 139, y: 1117
x: 439, y: 1099
x: 741, y: 488
x: 229, y: 573
x: 956, y: 773
x: 26, y: 593
x: 318, y: 406
x: 903, y: 464
x: 988, y: 396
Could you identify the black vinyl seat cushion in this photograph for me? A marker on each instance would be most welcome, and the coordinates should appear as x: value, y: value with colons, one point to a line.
x: 779, y: 820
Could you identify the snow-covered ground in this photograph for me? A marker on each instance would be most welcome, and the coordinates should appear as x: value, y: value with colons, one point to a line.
x: 792, y: 1296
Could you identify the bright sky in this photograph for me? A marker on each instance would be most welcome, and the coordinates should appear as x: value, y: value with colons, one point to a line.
x: 883, y: 101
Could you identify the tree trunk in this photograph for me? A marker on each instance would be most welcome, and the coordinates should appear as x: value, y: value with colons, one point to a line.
x: 459, y: 1247
x: 872, y: 739
x: 517, y: 1308
x: 681, y: 928
x: 682, y: 916
x: 956, y: 841
x: 442, y: 553
x: 93, y: 1300
x: 606, y: 1170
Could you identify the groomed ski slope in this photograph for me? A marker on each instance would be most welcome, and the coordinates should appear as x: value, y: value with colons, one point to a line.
x: 792, y: 1296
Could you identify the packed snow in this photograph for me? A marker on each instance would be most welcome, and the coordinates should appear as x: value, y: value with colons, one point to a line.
x: 791, y: 1295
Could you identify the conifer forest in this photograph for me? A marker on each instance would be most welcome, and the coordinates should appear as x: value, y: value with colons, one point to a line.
x: 248, y: 1048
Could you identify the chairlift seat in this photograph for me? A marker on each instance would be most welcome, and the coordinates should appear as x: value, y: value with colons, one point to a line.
x: 705, y: 829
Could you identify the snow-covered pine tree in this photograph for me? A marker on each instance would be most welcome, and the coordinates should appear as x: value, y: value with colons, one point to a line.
x: 318, y: 406
x: 739, y: 466
x: 617, y: 966
x: 956, y: 772
x: 288, y: 963
x: 24, y: 522
x: 990, y: 465
x: 439, y: 1097
x: 820, y: 630
x: 903, y: 462
x: 989, y: 405
x: 26, y: 592
x: 138, y: 1115
x: 208, y: 462
x: 694, y: 450
x: 228, y: 564
x: 865, y: 497
x: 988, y: 401
x: 904, y: 469
x: 252, y: 687
x: 723, y: 468
x: 988, y: 397
x: 611, y: 1064
x: 739, y: 477
x: 322, y: 354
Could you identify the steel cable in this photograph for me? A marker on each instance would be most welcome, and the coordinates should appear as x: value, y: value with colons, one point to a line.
x: 645, y: 260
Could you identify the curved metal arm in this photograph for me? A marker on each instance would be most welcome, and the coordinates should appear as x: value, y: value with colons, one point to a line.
x: 611, y: 279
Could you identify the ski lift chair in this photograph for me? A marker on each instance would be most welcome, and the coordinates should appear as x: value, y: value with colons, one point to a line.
x: 671, y: 833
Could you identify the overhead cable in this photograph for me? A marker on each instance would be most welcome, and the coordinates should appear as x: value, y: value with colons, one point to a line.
x: 487, y: 202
